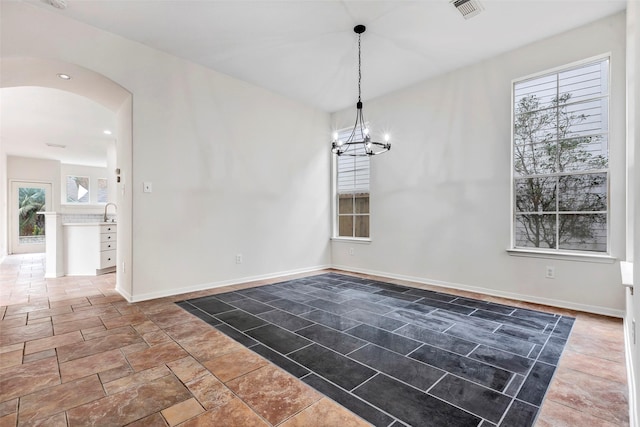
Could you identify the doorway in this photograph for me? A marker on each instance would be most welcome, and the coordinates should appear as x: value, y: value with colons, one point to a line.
x: 37, y: 72
x: 27, y: 202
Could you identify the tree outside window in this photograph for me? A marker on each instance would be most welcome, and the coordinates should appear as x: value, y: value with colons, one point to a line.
x: 560, y: 155
x: 30, y: 202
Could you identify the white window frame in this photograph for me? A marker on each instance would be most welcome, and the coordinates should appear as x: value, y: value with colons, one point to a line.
x: 334, y: 197
x: 575, y: 255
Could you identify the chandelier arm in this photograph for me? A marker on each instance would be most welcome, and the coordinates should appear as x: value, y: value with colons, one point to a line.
x: 363, y: 133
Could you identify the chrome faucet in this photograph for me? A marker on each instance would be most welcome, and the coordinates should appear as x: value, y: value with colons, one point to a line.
x: 105, y: 211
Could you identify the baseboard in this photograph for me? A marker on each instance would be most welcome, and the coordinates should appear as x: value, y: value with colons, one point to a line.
x: 213, y: 285
x: 633, y: 410
x: 53, y: 276
x: 511, y: 295
x: 126, y: 295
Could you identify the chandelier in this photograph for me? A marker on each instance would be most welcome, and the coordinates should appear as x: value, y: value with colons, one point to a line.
x: 359, y: 143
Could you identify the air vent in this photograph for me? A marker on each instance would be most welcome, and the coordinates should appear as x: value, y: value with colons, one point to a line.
x: 468, y: 8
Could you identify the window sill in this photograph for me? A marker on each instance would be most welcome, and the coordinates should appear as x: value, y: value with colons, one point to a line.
x: 360, y: 240
x: 568, y: 256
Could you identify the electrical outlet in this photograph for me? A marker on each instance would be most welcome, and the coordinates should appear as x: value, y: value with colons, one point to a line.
x: 351, y: 252
x: 239, y: 259
x: 550, y: 272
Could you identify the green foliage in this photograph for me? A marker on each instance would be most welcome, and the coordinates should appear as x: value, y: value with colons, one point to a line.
x: 30, y: 202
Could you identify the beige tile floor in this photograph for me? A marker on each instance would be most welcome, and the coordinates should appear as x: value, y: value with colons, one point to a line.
x: 74, y: 352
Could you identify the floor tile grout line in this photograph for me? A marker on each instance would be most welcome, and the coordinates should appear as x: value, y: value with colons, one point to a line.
x: 513, y: 376
x: 551, y: 328
x: 311, y: 371
x: 346, y: 331
x: 383, y: 373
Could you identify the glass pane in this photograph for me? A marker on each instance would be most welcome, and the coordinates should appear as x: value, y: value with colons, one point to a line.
x: 345, y: 203
x: 535, y: 194
x: 583, y: 232
x: 362, y: 226
x: 353, y: 174
x: 103, y: 190
x: 535, y: 159
x: 533, y: 126
x: 586, y: 82
x: 77, y: 189
x: 535, y: 231
x: 31, y: 224
x: 583, y: 118
x: 535, y: 93
x: 362, y: 203
x: 583, y: 193
x: 585, y: 153
x: 345, y: 226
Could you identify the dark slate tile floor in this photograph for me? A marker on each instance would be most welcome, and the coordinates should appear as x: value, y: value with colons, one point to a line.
x: 398, y: 356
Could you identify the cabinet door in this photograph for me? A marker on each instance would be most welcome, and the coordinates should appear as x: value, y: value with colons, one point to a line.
x: 108, y: 237
x: 107, y: 246
x: 107, y: 259
x: 111, y: 228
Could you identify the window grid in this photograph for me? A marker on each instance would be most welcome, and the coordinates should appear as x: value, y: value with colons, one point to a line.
x: 589, y: 84
x: 352, y: 194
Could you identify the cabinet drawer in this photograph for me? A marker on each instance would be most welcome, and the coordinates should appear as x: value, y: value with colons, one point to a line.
x: 108, y: 237
x: 107, y: 259
x: 108, y: 228
x: 107, y: 246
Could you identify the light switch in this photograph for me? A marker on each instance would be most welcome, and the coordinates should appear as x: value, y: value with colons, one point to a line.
x: 146, y: 187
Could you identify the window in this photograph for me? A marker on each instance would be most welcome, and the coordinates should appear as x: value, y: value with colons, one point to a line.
x: 352, y: 189
x: 77, y: 189
x: 103, y: 190
x: 561, y: 159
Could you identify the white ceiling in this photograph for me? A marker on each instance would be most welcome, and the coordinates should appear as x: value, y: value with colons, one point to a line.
x: 306, y: 49
x: 33, y: 116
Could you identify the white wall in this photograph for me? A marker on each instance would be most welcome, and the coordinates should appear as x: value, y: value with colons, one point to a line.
x: 235, y: 168
x: 440, y: 200
x: 123, y: 162
x: 4, y: 241
x: 633, y: 196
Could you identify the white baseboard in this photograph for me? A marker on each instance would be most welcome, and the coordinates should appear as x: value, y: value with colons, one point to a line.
x: 212, y: 285
x: 511, y: 295
x: 633, y: 410
x: 124, y: 293
x: 471, y: 288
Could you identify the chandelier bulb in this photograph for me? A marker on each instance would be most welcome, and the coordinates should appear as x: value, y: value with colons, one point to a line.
x: 386, y: 137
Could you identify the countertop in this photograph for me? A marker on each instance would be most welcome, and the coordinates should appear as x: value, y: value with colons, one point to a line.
x: 86, y: 224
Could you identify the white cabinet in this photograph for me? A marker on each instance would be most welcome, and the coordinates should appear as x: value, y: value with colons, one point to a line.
x: 107, y: 246
x: 90, y: 249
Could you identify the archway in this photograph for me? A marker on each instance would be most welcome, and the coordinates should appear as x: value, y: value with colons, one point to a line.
x: 19, y: 72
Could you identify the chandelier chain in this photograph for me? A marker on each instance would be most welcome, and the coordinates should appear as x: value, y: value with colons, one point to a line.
x: 359, y: 70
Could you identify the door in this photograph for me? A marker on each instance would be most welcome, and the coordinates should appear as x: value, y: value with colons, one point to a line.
x: 27, y: 224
